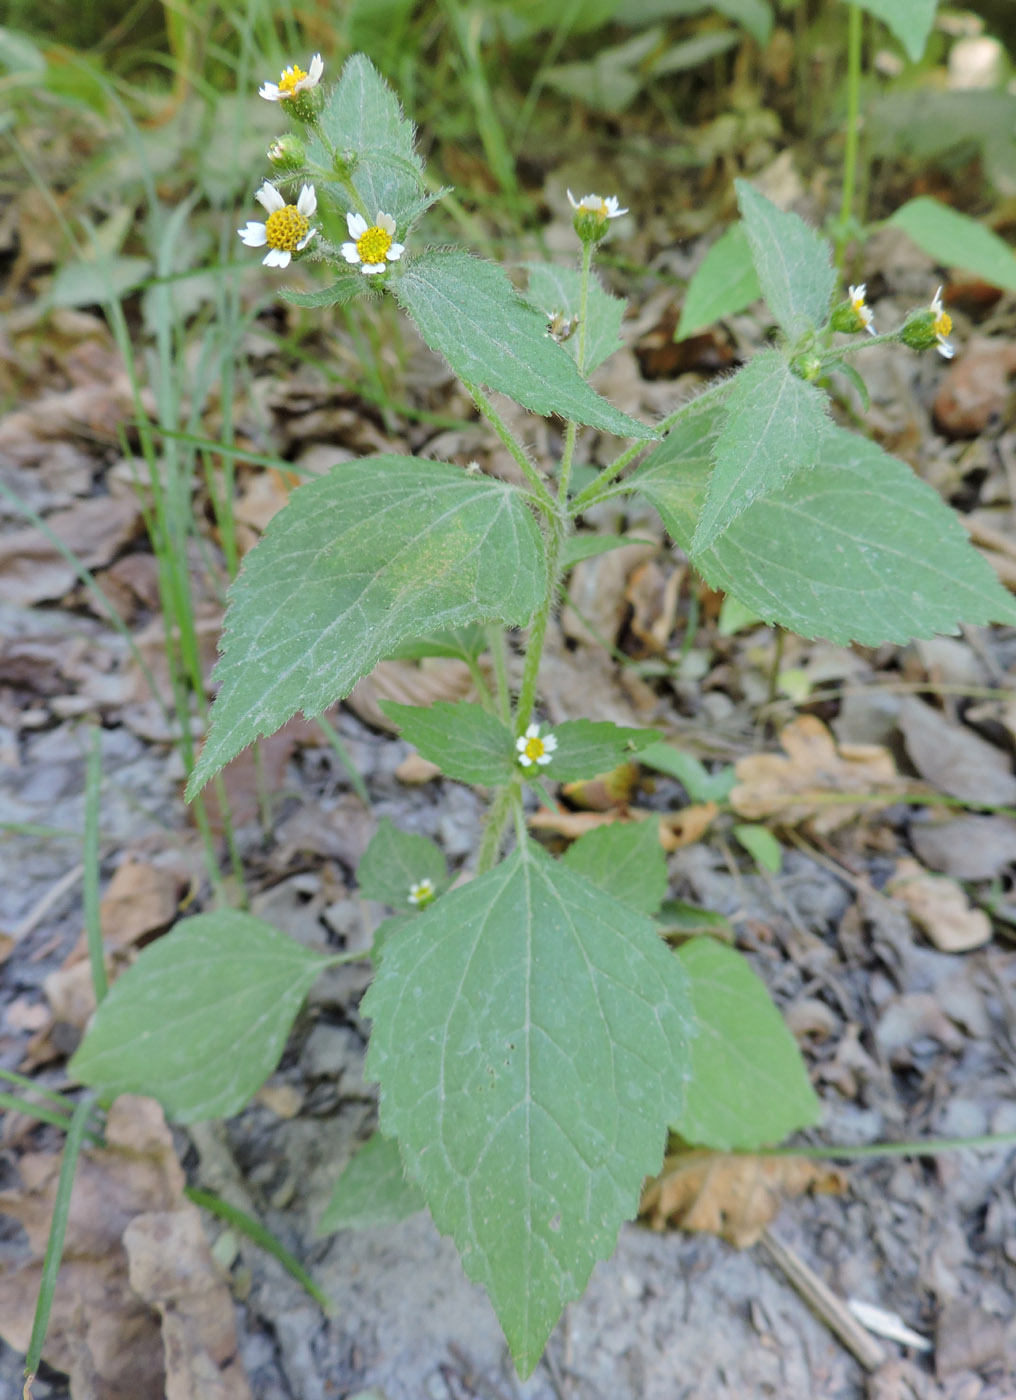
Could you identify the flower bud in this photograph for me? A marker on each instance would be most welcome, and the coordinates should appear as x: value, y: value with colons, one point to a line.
x: 288, y: 152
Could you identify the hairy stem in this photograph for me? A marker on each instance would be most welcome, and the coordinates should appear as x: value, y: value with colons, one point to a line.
x: 854, y: 37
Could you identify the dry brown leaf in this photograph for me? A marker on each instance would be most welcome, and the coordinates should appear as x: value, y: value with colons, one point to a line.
x: 569, y: 824
x: 33, y: 570
x: 140, y: 899
x: 435, y: 678
x: 606, y: 790
x: 596, y: 591
x: 953, y: 758
x: 796, y: 788
x: 414, y: 771
x: 940, y: 907
x: 685, y: 827
x: 732, y: 1196
x: 102, y: 1332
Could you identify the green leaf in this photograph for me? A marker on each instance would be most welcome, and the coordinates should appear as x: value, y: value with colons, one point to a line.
x: 857, y: 548
x: 363, y: 120
x: 909, y: 20
x: 794, y: 264
x: 761, y: 845
x: 626, y: 861
x: 200, y: 1020
x: 734, y: 617
x: 90, y: 281
x: 775, y: 425
x: 530, y: 1037
x: 749, y: 1087
x: 724, y: 283
x: 579, y: 547
x: 694, y: 777
x: 611, y: 79
x: 394, y: 862
x: 553, y: 288
x: 691, y: 53
x: 347, y: 288
x: 372, y: 1190
x: 459, y: 643
x: 586, y: 748
x: 679, y: 919
x: 359, y: 561
x: 469, y: 311
x: 853, y: 378
x: 465, y: 741
x: 956, y: 240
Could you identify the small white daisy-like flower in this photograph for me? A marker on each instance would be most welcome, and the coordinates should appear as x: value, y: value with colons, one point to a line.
x: 373, y: 245
x: 293, y: 80
x: 595, y: 204
x: 287, y: 229
x: 532, y: 749
x: 421, y: 893
x: 942, y: 325
x: 860, y: 307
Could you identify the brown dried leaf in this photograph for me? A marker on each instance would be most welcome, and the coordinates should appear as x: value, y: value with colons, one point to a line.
x: 732, y: 1196
x: 101, y: 1332
x: 685, y: 827
x: 140, y: 899
x: 796, y: 789
x: 953, y: 758
x: 33, y: 570
x: 940, y: 907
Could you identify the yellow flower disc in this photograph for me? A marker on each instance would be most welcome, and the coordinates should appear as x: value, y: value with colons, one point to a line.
x: 374, y: 244
x: 285, y: 228
x: 289, y: 80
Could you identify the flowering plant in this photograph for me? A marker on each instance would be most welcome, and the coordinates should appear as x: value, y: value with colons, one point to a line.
x: 533, y: 1035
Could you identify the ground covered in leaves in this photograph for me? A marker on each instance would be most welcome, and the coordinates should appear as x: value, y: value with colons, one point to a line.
x: 887, y: 934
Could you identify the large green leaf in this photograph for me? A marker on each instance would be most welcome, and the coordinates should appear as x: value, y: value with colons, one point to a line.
x: 469, y: 311
x: 793, y: 263
x: 372, y: 1190
x: 775, y: 423
x: 554, y: 288
x: 909, y: 20
x: 362, y: 118
x: 376, y: 552
x: 348, y: 286
x: 395, y: 861
x: 624, y: 860
x: 464, y: 740
x: 855, y: 548
x: 200, y: 1020
x: 724, y: 283
x: 749, y: 1087
x: 531, y: 1039
x: 956, y: 240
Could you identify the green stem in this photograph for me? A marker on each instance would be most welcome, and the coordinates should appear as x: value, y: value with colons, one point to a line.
x: 854, y: 38
x: 90, y: 865
x: 498, y: 649
x: 543, y: 496
x: 493, y: 832
x: 572, y: 432
x: 538, y: 628
x: 57, y: 1232
x: 593, y: 492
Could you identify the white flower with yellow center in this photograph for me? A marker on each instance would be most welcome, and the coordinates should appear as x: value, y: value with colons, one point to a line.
x: 532, y: 749
x: 373, y: 245
x: 421, y: 894
x: 860, y: 307
x: 595, y: 204
x: 942, y: 325
x: 293, y: 80
x: 287, y: 229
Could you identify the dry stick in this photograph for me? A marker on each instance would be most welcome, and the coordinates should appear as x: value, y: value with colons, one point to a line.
x: 52, y: 896
x: 824, y: 1303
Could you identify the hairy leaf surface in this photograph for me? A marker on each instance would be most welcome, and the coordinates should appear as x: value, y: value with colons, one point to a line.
x: 775, y: 423
x: 793, y: 263
x: 855, y: 548
x: 464, y: 740
x: 200, y: 1020
x: 376, y: 552
x: 395, y: 861
x: 626, y: 860
x: 468, y: 310
x: 531, y: 1039
x: 749, y: 1087
x: 554, y: 288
